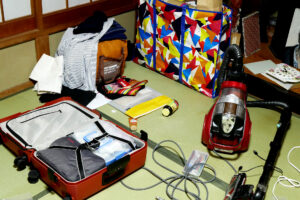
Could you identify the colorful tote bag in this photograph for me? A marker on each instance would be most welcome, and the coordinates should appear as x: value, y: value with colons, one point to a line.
x: 184, y: 44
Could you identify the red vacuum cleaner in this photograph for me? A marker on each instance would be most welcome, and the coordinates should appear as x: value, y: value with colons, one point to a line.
x: 227, y: 125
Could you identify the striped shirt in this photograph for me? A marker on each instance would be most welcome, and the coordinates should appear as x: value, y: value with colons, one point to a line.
x: 80, y: 57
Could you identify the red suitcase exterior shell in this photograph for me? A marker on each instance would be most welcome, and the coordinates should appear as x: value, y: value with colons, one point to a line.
x: 83, y: 188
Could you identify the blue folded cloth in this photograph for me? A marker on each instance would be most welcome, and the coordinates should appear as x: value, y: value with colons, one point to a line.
x: 116, y: 31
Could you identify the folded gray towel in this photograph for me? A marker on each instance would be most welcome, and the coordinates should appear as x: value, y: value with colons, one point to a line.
x: 72, y: 160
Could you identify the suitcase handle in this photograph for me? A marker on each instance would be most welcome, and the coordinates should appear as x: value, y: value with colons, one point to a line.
x: 115, y: 170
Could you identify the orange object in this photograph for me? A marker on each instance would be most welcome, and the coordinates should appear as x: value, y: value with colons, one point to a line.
x: 112, y: 55
x: 133, y: 124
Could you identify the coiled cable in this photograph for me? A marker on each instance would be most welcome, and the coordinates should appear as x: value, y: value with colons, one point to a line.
x: 173, y: 182
x: 291, y: 183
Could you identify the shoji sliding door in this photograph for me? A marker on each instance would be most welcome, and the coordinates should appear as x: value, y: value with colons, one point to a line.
x: 31, y: 21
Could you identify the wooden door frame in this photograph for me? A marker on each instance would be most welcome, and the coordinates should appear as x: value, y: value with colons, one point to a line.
x: 39, y: 26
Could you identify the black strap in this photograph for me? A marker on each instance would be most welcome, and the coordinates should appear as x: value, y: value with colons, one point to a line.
x: 78, y: 155
x: 90, y: 145
x: 100, y: 127
x: 79, y: 160
x: 107, y: 134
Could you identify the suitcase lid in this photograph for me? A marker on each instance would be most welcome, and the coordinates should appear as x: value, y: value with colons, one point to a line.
x: 39, y: 127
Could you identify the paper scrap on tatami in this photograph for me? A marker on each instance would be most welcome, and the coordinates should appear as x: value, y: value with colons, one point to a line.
x: 48, y: 72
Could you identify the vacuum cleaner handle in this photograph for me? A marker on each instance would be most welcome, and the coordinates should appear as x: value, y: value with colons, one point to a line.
x: 236, y: 71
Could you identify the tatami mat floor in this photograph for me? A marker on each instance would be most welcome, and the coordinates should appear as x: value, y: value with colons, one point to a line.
x: 184, y: 127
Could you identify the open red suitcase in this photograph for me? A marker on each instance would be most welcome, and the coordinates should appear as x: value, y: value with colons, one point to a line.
x: 36, y: 136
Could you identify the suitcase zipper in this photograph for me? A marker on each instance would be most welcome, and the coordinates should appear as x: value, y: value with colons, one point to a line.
x: 82, y: 111
x: 22, y: 140
x: 41, y: 116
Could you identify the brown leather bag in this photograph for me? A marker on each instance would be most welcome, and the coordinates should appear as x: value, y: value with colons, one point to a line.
x: 111, y: 60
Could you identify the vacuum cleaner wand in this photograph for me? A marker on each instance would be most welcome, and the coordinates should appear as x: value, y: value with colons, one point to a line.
x: 275, y: 145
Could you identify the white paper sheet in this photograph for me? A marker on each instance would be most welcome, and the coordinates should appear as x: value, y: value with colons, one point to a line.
x: 48, y: 72
x: 286, y: 86
x: 260, y: 66
x: 125, y: 103
x: 98, y: 101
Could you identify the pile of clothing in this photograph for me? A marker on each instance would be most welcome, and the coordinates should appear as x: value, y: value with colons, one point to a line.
x: 79, y: 47
x: 76, y: 68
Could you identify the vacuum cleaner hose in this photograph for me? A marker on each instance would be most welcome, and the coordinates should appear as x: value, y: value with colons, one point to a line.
x: 235, y: 53
x: 273, y: 105
x: 268, y: 104
x: 275, y: 145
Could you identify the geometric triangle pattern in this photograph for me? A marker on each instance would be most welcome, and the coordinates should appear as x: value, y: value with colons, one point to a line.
x: 198, y: 57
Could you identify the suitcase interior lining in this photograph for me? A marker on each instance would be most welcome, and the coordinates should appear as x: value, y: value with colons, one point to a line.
x: 39, y: 128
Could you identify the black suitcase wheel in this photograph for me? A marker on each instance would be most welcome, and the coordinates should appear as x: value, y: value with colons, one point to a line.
x: 144, y: 135
x: 33, y: 176
x: 68, y: 197
x: 20, y: 162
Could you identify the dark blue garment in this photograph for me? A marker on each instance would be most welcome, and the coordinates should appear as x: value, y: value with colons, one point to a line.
x: 289, y: 56
x: 92, y: 24
x: 116, y: 31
